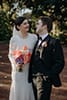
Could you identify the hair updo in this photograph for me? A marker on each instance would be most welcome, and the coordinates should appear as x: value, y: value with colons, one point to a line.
x: 19, y: 21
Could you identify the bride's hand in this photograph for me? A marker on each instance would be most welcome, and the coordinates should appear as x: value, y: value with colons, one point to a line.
x: 19, y: 65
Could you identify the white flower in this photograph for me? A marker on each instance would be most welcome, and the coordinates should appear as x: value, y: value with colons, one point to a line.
x: 23, y: 11
x: 44, y: 44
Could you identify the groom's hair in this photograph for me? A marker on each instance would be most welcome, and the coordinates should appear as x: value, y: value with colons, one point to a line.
x: 46, y: 20
x: 19, y: 21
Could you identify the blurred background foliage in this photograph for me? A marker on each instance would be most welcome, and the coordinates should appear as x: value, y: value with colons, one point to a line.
x: 56, y: 9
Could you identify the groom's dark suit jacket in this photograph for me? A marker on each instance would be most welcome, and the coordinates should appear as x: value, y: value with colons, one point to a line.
x: 51, y: 63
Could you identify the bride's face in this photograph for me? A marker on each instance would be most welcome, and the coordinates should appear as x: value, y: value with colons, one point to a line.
x: 24, y: 27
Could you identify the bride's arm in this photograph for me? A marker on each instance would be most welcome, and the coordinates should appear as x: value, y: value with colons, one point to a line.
x: 12, y: 47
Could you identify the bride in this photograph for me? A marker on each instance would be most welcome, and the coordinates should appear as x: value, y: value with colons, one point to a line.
x: 20, y: 50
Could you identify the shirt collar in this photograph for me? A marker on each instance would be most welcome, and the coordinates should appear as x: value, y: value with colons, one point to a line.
x: 43, y: 36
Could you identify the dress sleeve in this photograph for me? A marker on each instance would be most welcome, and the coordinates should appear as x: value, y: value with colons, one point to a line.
x: 12, y: 47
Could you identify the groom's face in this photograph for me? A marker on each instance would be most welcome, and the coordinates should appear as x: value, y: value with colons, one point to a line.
x: 39, y: 25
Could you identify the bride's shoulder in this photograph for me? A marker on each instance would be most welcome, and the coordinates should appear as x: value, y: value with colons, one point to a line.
x: 13, y: 39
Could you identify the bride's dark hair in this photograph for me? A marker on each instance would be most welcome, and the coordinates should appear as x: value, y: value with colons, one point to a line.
x: 19, y: 21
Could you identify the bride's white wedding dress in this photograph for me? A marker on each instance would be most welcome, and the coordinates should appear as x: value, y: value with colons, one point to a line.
x: 20, y: 88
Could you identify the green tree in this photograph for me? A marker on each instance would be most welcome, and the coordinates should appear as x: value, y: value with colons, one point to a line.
x: 56, y: 9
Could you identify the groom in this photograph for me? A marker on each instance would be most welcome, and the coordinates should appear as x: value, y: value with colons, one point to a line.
x: 47, y: 61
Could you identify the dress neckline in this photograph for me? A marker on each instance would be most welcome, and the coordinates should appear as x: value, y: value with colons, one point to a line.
x: 20, y: 35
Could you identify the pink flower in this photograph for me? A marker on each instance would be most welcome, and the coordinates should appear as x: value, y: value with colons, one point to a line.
x: 27, y: 57
x: 22, y: 56
x: 18, y: 56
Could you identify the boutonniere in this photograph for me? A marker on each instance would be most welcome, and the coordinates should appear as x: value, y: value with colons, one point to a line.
x: 44, y: 44
x: 41, y: 48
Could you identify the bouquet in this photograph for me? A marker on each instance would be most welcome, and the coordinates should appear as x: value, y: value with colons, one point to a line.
x: 21, y: 57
